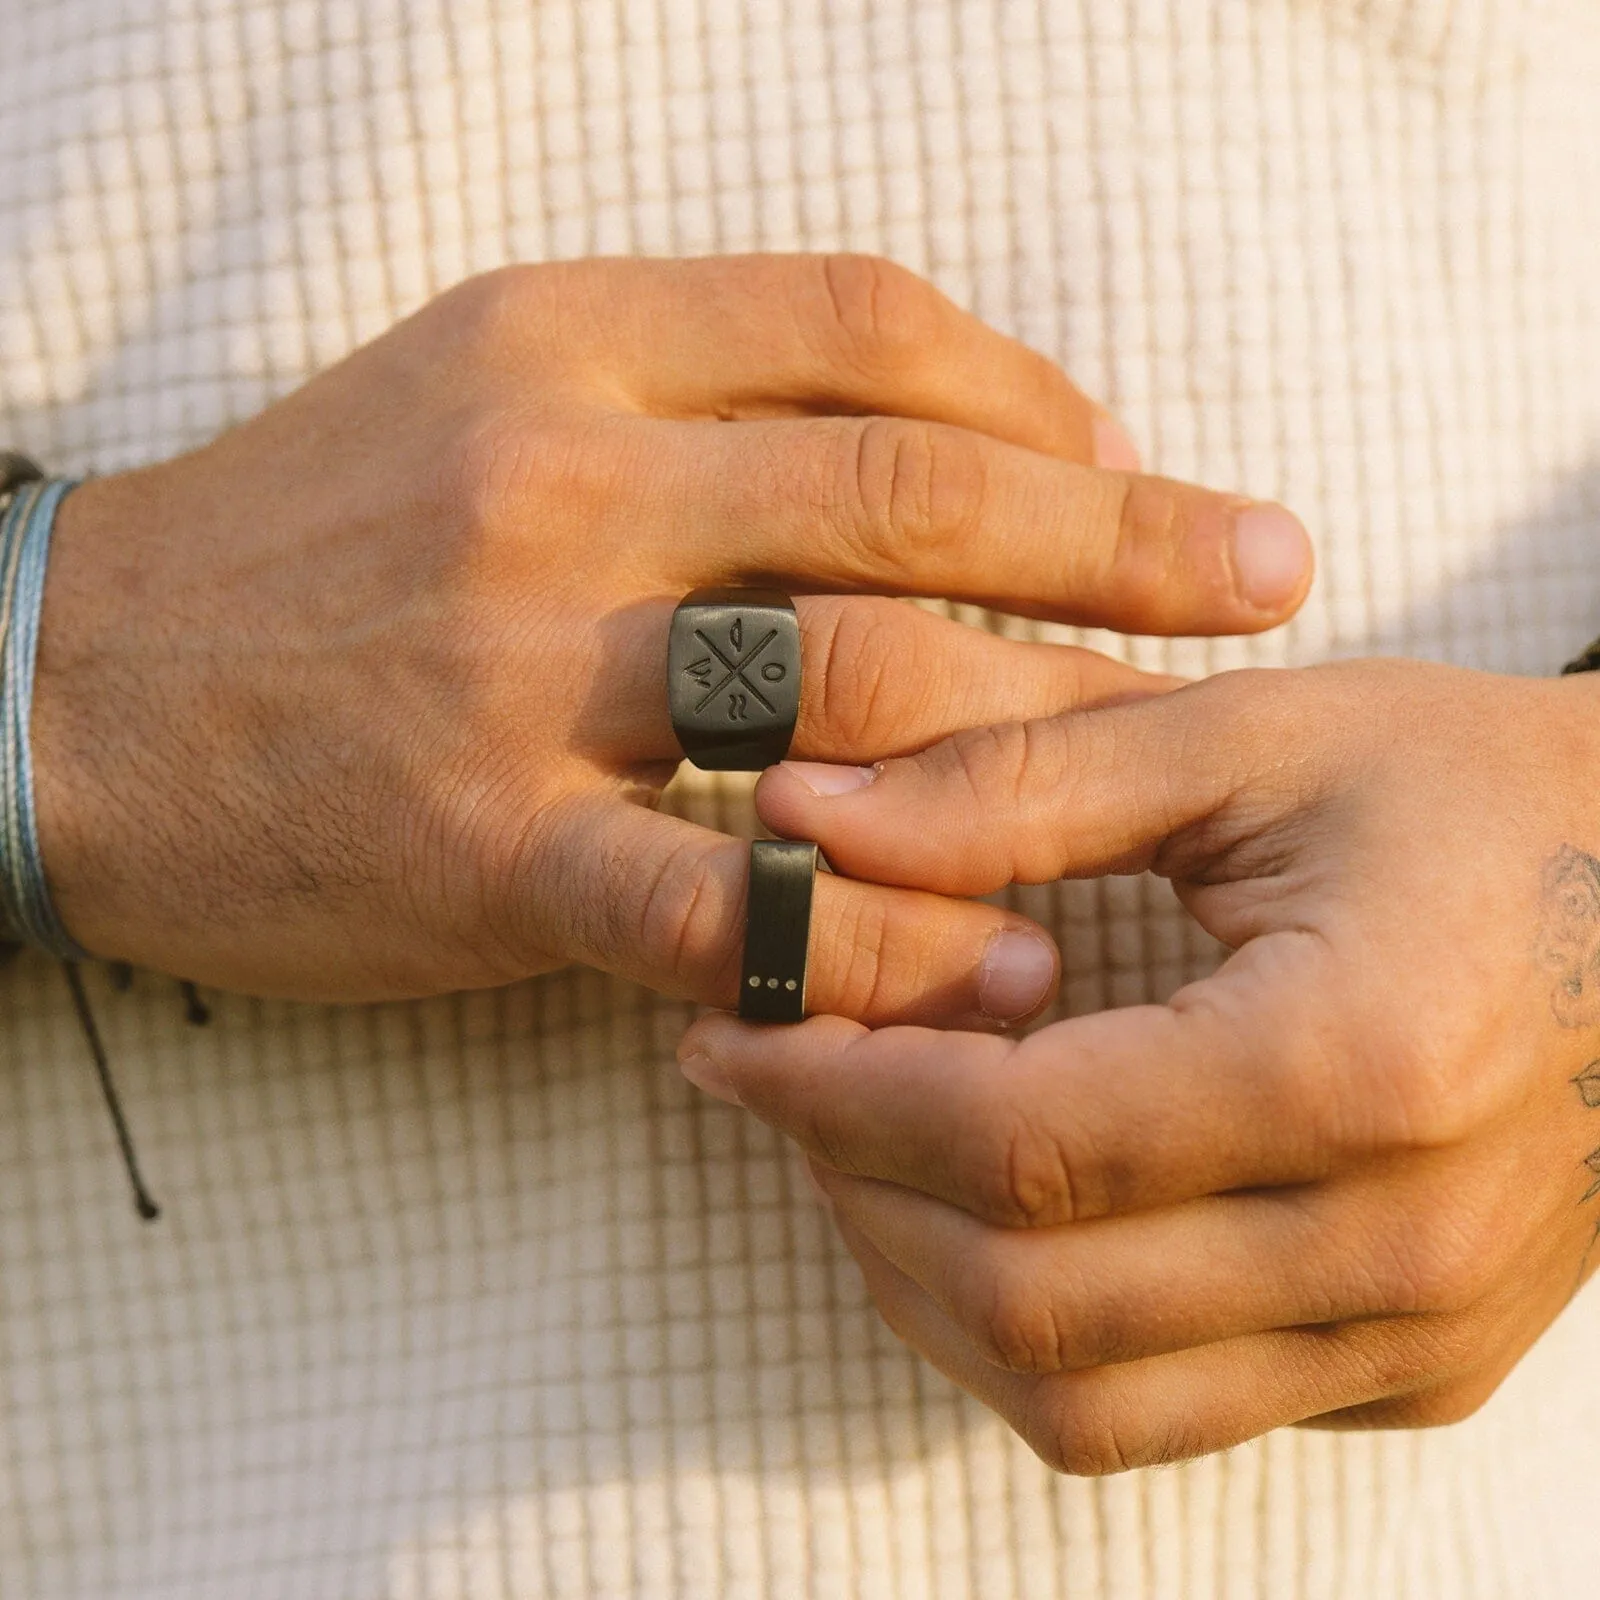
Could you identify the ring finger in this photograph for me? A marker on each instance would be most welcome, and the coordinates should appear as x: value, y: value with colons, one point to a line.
x: 1158, y: 1410
x: 662, y: 901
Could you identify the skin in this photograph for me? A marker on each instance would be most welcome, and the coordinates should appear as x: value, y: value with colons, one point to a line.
x: 1347, y: 1179
x: 364, y: 698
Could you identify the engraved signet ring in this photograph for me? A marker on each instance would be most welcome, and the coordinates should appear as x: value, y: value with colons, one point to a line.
x: 777, y: 932
x: 733, y: 677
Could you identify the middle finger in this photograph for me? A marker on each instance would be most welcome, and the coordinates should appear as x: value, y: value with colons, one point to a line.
x: 891, y: 505
x: 1123, y: 1288
x: 878, y: 678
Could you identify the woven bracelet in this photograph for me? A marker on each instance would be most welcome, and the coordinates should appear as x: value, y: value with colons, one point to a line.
x: 26, y: 522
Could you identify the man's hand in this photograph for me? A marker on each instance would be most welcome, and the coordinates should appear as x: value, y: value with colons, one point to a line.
x: 1350, y: 1177
x: 367, y: 697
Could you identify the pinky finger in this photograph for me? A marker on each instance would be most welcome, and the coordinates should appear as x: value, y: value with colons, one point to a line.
x: 1159, y: 1410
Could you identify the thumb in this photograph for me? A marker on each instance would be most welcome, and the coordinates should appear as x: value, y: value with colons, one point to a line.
x: 1075, y: 795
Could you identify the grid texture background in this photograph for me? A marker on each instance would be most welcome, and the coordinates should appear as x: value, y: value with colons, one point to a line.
x: 475, y: 1299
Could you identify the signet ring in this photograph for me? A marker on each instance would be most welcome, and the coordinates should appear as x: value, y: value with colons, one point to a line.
x: 733, y: 677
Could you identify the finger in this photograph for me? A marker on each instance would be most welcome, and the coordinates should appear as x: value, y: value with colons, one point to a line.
x: 1225, y: 1087
x: 661, y: 901
x: 1070, y: 796
x: 878, y: 678
x: 1164, y: 1409
x: 887, y: 505
x: 770, y: 335
x: 1125, y: 1288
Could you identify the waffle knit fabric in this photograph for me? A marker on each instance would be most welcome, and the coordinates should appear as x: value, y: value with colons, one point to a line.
x: 475, y: 1299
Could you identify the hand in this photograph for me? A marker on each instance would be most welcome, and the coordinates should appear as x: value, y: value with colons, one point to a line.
x: 1350, y: 1177
x: 366, y: 698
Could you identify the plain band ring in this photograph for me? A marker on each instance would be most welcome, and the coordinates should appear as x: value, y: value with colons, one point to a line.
x: 733, y: 677
x: 777, y: 935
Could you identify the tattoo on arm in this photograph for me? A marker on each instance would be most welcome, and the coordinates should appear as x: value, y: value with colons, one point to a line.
x: 1587, y: 1083
x: 1569, y: 944
x: 1569, y: 936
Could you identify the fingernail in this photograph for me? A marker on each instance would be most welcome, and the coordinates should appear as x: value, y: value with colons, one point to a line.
x: 824, y: 780
x: 1271, y: 555
x: 707, y: 1076
x: 1018, y: 969
x: 1113, y: 449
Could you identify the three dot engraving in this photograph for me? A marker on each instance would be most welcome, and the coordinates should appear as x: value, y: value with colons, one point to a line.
x: 777, y: 935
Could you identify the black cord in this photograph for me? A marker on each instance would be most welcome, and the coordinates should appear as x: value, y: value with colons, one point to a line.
x: 146, y: 1206
x: 195, y: 1009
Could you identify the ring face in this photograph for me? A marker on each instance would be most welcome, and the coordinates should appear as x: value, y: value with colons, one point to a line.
x: 777, y: 932
x: 733, y: 677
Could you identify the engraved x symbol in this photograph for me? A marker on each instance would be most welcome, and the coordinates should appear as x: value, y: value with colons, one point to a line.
x: 735, y: 669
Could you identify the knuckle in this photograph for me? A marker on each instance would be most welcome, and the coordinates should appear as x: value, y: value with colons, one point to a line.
x: 858, y: 988
x: 991, y: 761
x: 1083, y: 1433
x: 1398, y: 1357
x: 670, y: 912
x: 866, y: 657
x: 1143, y: 519
x: 1436, y: 1263
x: 1254, y: 711
x: 1437, y: 1405
x: 680, y: 919
x: 1108, y: 1332
x: 1440, y: 1094
x: 1254, y: 696
x: 1023, y: 1175
x: 489, y: 314
x: 1442, y: 1407
x: 499, y: 462
x: 463, y: 846
x: 997, y: 766
x: 489, y: 465
x: 1016, y: 1321
x: 879, y: 317
x: 1069, y: 1447
x: 919, y: 489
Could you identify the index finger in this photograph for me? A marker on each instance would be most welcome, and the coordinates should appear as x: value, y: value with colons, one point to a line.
x: 791, y: 335
x: 1222, y: 1088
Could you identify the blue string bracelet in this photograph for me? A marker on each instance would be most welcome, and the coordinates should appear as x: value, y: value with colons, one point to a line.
x: 27, y: 913
x: 26, y: 910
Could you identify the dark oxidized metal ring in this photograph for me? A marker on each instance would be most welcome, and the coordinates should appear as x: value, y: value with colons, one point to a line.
x: 777, y: 932
x: 733, y: 677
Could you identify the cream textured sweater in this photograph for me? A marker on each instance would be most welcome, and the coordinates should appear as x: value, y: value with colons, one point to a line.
x: 476, y: 1299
